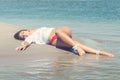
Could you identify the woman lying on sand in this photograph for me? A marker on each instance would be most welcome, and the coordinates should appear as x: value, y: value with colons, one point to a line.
x: 59, y: 37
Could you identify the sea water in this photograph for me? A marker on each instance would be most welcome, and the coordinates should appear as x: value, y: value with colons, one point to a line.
x: 94, y: 22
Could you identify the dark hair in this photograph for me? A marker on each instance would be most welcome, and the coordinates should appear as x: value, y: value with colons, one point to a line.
x: 17, y: 35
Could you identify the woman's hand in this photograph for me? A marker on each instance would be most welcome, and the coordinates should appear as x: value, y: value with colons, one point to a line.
x: 21, y: 48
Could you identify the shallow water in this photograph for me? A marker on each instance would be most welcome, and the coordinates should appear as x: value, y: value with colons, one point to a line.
x: 93, y: 22
x: 63, y: 67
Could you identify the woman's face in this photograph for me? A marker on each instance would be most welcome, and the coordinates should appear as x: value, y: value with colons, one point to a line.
x: 24, y: 34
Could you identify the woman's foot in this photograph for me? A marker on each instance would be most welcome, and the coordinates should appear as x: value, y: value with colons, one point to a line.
x: 106, y: 54
x: 80, y: 51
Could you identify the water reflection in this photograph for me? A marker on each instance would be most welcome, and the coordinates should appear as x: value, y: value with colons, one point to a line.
x: 65, y: 67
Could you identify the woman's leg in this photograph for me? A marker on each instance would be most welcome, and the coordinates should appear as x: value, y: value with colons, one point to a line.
x: 64, y: 35
x: 64, y: 38
x: 66, y: 30
x: 93, y: 51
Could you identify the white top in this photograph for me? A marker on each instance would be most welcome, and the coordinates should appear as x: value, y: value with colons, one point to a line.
x: 40, y: 36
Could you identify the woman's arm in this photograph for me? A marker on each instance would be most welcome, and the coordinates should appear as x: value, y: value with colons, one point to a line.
x: 22, y: 47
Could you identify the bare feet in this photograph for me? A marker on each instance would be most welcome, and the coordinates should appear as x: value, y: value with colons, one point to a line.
x: 106, y: 54
x: 80, y: 51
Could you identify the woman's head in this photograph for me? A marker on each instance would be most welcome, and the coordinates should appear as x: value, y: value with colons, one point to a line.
x: 22, y: 34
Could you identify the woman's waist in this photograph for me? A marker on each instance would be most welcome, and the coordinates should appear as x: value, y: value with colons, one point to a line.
x: 51, y: 34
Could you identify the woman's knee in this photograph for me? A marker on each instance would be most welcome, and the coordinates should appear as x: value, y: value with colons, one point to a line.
x: 63, y: 29
x: 66, y: 30
x: 57, y: 30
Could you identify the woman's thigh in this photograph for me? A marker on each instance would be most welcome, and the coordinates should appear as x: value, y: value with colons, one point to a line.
x: 61, y: 44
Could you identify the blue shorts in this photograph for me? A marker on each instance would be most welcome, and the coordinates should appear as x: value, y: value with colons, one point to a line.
x: 74, y: 51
